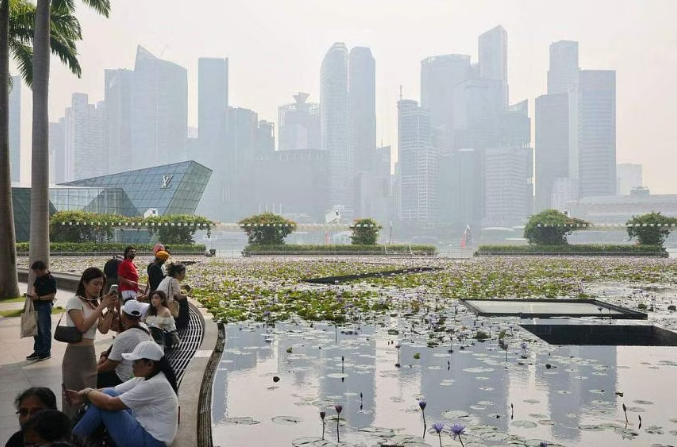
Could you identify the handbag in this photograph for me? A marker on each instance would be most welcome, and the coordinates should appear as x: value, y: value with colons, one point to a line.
x: 29, y: 320
x: 172, y: 339
x: 173, y: 305
x: 66, y: 334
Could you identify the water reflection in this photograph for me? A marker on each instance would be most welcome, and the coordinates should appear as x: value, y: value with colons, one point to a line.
x: 562, y: 395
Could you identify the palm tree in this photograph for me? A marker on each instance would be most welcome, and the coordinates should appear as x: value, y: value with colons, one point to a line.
x: 39, y: 231
x: 17, y: 20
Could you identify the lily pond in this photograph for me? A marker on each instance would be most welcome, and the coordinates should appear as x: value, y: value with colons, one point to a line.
x: 401, y: 358
x: 387, y: 342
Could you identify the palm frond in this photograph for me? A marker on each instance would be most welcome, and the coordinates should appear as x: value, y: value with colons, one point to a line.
x: 100, y: 6
x: 67, y: 52
x: 23, y: 56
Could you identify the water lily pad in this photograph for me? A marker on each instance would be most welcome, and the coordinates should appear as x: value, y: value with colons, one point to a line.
x: 246, y: 420
x: 590, y: 427
x: 524, y: 424
x: 286, y: 420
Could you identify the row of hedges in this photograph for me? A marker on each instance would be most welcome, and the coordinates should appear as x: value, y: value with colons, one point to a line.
x: 428, y: 250
x: 581, y: 250
x: 112, y: 247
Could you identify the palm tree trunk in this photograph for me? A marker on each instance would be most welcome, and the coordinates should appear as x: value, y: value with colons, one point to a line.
x: 9, y: 286
x: 39, y: 243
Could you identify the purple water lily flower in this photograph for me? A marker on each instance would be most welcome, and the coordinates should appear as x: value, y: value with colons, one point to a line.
x: 338, y: 408
x: 422, y: 404
x: 543, y: 444
x: 322, y: 415
x: 438, y: 427
x: 458, y: 430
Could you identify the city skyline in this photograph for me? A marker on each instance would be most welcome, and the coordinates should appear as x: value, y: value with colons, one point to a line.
x: 644, y: 133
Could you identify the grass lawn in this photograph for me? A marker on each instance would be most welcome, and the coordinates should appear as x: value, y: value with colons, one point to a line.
x: 17, y: 312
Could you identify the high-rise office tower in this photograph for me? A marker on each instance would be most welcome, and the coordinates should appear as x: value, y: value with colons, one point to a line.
x: 508, y: 185
x: 265, y: 137
x: 361, y: 108
x: 57, y: 152
x: 117, y: 131
x: 439, y: 76
x: 15, y: 129
x: 552, y: 145
x: 417, y: 163
x: 212, y: 106
x: 84, y: 139
x: 478, y: 104
x: 629, y: 177
x: 159, y: 112
x: 334, y: 127
x: 596, y: 149
x: 461, y: 189
x: 563, y: 72
x: 299, y: 124
x: 493, y: 58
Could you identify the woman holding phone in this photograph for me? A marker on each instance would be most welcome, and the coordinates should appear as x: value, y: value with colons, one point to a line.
x: 87, y: 311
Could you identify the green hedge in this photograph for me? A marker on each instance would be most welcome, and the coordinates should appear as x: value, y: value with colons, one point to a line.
x: 116, y: 247
x: 579, y: 250
x: 339, y: 249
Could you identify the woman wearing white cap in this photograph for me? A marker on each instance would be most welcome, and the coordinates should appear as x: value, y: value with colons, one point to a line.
x: 142, y: 412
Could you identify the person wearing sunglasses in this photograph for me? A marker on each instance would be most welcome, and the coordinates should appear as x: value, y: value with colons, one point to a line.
x: 29, y: 403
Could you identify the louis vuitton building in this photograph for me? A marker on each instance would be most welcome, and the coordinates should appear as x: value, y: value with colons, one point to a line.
x: 169, y: 189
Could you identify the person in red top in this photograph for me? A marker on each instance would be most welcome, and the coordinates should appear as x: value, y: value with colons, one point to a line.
x: 128, y: 275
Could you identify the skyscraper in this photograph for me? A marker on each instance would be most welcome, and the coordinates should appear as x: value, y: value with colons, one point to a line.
x: 563, y: 72
x: 15, y: 129
x: 596, y: 149
x: 299, y: 124
x: 508, y: 185
x: 159, y: 111
x: 57, y: 152
x: 334, y: 127
x: 84, y: 139
x: 478, y: 104
x: 493, y: 58
x: 439, y: 76
x: 212, y: 106
x: 117, y: 131
x: 361, y: 108
x: 418, y: 163
x: 552, y: 145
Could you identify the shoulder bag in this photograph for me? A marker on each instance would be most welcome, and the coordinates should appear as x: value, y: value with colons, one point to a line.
x: 29, y: 319
x: 66, y: 334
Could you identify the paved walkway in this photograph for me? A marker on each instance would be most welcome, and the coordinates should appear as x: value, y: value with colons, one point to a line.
x: 17, y: 374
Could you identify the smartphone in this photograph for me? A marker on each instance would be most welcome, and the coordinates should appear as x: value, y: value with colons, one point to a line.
x: 114, y: 288
x: 65, y: 394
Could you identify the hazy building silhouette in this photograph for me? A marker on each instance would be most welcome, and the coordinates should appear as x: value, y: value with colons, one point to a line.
x: 508, y: 185
x: 417, y: 162
x: 439, y: 76
x: 57, y: 151
x: 563, y: 72
x: 334, y: 127
x: 552, y: 145
x: 15, y: 129
x: 493, y: 58
x: 461, y: 190
x: 629, y: 177
x: 299, y: 124
x: 159, y: 111
x: 478, y: 104
x: 212, y: 106
x: 83, y: 139
x: 362, y: 108
x: 117, y: 132
x: 595, y: 153
x: 265, y: 136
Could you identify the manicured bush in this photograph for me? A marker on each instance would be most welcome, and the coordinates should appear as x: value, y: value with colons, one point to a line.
x: 581, y: 250
x: 115, y: 247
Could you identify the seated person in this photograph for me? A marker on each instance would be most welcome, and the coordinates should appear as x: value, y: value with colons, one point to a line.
x: 142, y: 412
x: 113, y: 369
x: 47, y: 428
x: 29, y: 403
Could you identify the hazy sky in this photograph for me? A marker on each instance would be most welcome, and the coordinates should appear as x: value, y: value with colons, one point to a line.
x: 276, y: 47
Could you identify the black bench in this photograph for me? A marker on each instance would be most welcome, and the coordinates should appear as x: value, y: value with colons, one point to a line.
x: 191, y: 339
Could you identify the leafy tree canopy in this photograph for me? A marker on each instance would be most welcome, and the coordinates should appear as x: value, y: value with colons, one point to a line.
x: 365, y: 232
x: 551, y: 227
x: 267, y: 228
x: 651, y: 229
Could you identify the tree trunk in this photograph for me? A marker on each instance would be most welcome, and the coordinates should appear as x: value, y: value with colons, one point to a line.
x: 39, y: 243
x: 9, y: 286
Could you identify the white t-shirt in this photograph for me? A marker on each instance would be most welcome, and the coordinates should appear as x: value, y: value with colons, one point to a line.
x: 154, y: 405
x: 168, y: 285
x: 75, y: 303
x: 125, y: 343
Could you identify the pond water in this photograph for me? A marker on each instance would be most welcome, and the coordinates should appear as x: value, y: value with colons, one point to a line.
x: 528, y: 393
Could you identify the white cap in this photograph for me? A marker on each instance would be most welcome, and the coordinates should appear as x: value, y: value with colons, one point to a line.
x: 145, y: 350
x: 135, y: 309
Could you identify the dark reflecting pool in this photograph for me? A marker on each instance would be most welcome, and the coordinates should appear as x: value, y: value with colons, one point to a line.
x: 528, y: 393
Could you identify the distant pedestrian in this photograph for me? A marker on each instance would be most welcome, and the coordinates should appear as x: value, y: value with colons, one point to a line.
x: 42, y: 295
x: 128, y: 275
x: 110, y: 269
x: 154, y: 270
